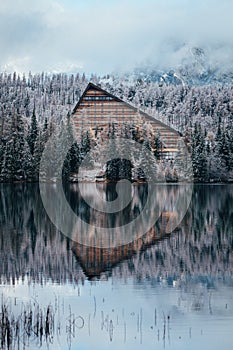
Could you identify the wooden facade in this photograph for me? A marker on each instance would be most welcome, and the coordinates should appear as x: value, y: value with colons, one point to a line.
x: 98, y: 108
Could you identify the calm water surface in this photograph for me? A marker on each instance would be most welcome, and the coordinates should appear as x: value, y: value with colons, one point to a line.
x: 172, y: 291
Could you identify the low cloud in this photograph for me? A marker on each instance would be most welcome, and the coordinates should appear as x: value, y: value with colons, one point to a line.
x: 106, y: 36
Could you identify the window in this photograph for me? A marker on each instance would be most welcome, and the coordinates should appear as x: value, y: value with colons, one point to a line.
x: 98, y: 98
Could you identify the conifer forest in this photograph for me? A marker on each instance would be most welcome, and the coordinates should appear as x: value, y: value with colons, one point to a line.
x: 37, y: 106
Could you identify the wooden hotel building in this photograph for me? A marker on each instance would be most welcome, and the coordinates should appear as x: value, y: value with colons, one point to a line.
x: 98, y: 108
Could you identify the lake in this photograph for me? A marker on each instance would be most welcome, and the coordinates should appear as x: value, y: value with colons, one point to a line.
x: 168, y: 288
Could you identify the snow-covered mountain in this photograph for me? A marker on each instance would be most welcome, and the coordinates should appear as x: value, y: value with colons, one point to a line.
x: 195, y: 67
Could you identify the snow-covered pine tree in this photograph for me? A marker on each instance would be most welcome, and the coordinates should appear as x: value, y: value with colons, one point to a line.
x: 199, y: 158
x: 182, y: 167
x: 33, y: 132
x: 147, y: 167
x: 8, y: 163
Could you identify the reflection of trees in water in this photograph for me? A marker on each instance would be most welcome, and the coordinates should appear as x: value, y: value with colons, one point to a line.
x: 202, y: 247
x: 106, y: 193
x: 30, y: 245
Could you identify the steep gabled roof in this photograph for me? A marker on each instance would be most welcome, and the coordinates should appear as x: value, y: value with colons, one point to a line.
x: 92, y: 86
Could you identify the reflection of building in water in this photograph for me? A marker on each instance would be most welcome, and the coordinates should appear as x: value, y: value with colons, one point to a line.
x: 97, y: 109
x: 95, y: 260
x: 98, y: 255
x: 31, y: 247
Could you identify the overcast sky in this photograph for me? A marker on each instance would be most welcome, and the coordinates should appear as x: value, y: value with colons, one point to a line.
x: 102, y: 36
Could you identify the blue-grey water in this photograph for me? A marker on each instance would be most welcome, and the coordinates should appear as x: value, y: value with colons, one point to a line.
x: 165, y: 291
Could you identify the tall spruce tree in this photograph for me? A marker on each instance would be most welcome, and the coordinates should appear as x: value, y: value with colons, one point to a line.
x: 8, y: 163
x: 199, y: 158
x: 147, y: 167
x: 33, y: 132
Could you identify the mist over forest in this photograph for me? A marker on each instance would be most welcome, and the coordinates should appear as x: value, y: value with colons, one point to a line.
x: 36, y: 106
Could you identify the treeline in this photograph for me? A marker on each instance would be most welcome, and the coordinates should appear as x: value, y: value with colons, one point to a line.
x: 180, y: 106
x: 35, y: 107
x: 212, y: 154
